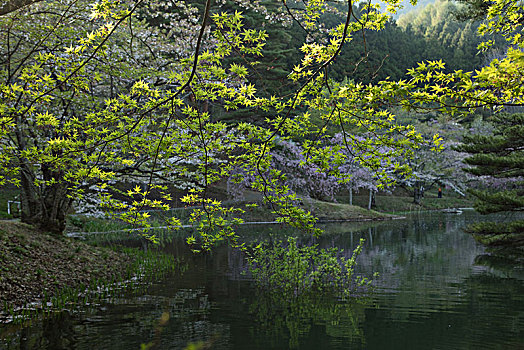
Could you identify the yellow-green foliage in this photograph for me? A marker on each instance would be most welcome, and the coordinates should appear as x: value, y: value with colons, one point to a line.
x: 78, y: 118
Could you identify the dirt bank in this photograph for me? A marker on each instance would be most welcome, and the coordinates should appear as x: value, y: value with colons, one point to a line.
x: 34, y: 264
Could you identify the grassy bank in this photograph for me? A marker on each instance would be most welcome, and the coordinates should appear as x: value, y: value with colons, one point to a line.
x: 55, y: 271
x: 399, y: 203
x: 327, y: 211
x: 324, y: 211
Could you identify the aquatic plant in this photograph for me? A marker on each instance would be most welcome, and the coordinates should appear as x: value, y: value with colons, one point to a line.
x: 292, y: 270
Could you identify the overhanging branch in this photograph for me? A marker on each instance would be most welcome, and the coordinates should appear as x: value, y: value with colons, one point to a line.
x: 11, y: 6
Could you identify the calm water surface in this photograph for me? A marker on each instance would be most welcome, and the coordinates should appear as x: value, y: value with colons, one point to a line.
x: 437, y: 289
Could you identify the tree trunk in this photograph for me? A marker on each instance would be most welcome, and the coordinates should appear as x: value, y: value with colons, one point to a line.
x: 47, y: 205
x: 351, y: 195
x: 371, y: 203
x: 417, y: 192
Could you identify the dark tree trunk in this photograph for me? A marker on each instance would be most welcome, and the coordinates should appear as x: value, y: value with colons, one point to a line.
x: 417, y: 192
x: 44, y: 206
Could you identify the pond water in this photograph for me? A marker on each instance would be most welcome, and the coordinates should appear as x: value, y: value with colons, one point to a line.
x: 437, y: 289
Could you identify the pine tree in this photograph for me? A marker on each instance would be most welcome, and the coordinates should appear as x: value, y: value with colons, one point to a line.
x: 472, y: 9
x: 500, y: 158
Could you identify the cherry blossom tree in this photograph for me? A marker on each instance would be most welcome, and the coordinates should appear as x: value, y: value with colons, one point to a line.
x: 73, y: 111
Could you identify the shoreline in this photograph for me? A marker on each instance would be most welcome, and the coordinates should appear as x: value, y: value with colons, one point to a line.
x: 247, y: 223
x: 36, y: 266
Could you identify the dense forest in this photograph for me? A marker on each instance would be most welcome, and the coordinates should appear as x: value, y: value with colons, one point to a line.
x: 432, y: 31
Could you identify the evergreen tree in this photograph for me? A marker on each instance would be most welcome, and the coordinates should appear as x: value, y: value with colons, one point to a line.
x: 499, y: 159
x: 456, y: 43
x: 472, y: 9
x: 269, y: 73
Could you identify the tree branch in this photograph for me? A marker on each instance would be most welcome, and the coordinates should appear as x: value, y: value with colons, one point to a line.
x: 11, y: 6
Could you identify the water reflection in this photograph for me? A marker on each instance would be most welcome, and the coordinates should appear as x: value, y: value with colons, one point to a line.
x: 280, y: 319
x: 437, y: 289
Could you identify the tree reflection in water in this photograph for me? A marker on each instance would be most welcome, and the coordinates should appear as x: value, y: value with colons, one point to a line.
x: 280, y: 317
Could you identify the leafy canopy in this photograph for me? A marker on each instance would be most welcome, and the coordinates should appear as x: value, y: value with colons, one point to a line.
x: 74, y: 117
